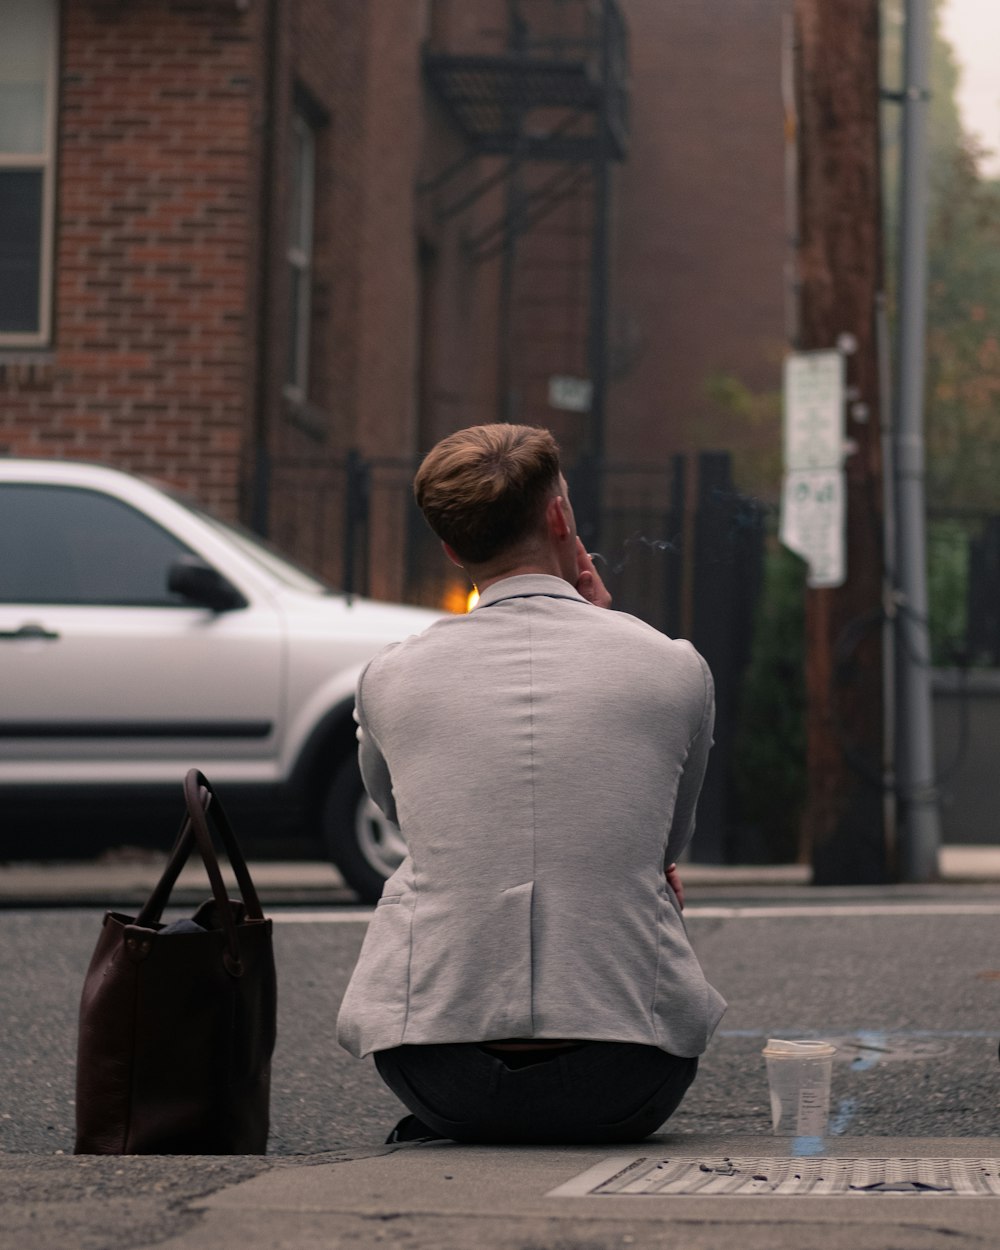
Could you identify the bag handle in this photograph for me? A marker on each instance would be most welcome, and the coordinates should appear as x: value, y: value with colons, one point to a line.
x: 202, y: 801
x: 200, y: 798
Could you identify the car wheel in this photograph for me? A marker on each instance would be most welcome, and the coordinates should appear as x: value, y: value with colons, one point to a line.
x: 363, y: 843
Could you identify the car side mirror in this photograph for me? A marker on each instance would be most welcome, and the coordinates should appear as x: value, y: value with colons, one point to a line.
x: 203, y: 586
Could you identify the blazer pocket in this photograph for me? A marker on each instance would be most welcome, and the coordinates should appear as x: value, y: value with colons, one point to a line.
x: 373, y: 1013
x: 472, y: 963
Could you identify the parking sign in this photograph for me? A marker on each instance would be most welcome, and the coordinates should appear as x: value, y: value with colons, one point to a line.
x: 814, y: 410
x: 812, y: 523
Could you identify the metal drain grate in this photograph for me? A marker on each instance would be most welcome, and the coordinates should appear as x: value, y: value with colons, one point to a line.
x: 804, y: 1177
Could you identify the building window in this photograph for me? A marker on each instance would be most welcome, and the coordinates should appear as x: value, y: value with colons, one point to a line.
x: 300, y: 254
x: 28, y: 51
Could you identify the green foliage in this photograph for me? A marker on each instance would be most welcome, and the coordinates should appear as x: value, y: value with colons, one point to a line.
x: 963, y: 342
x: 962, y: 397
x: 944, y: 123
x: 947, y: 588
x: 757, y: 465
x: 769, y: 766
x: 963, y: 306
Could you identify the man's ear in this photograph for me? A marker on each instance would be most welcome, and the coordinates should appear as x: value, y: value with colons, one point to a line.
x: 557, y: 517
x: 452, y: 554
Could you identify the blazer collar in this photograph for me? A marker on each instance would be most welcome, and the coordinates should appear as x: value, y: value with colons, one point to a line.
x: 526, y: 586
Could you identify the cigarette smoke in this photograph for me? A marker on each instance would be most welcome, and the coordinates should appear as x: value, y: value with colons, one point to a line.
x: 744, y: 515
x: 633, y: 543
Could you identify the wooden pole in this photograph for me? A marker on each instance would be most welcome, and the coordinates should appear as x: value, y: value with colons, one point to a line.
x: 840, y: 266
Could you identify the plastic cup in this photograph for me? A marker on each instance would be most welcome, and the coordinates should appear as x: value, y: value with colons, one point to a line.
x: 798, y: 1074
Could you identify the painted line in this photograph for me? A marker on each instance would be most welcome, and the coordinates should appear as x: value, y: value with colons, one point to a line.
x: 821, y: 910
x: 812, y: 911
x: 854, y: 1031
x: 346, y: 915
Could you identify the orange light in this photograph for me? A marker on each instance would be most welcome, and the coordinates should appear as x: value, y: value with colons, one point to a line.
x: 459, y: 600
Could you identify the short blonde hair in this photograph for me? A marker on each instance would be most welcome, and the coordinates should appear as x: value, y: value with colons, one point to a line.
x: 484, y: 489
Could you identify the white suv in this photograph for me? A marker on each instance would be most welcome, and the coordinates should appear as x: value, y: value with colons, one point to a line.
x: 140, y: 636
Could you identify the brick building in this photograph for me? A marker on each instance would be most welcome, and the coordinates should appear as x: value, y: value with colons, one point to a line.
x: 240, y: 238
x: 702, y: 245
x: 131, y: 344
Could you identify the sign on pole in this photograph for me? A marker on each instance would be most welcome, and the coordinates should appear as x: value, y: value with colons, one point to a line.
x: 813, y: 513
x: 813, y: 523
x: 814, y: 410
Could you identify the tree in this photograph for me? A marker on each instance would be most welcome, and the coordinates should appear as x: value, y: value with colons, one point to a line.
x: 963, y: 309
x: 962, y: 393
x: 963, y: 336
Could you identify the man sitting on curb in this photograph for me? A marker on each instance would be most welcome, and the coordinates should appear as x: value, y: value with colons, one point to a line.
x: 527, y: 976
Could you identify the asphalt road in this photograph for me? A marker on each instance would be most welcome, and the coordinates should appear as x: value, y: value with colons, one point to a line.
x: 907, y: 986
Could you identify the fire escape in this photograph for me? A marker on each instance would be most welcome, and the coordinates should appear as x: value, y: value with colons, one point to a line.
x: 548, y: 109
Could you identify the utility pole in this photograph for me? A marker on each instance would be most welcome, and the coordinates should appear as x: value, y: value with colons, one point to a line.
x: 915, y: 742
x: 840, y: 262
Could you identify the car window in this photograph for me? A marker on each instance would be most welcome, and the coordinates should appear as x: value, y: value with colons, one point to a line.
x: 66, y: 544
x: 275, y: 562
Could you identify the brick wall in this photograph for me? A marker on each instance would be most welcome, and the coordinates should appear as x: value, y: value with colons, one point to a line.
x: 360, y: 67
x: 550, y: 320
x: 491, y: 355
x: 322, y: 57
x: 147, y: 368
x: 698, y: 284
x: 317, y: 59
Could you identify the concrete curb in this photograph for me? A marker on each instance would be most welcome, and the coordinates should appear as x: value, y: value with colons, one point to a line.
x: 124, y: 881
x: 495, y: 1198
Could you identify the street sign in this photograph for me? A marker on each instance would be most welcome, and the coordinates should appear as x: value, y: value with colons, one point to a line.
x: 812, y: 523
x: 814, y: 410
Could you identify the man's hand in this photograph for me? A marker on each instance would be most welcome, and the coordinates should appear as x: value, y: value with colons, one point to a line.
x: 588, y: 581
x: 675, y: 883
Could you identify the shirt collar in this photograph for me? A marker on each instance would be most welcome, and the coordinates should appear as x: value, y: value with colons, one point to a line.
x: 527, y: 585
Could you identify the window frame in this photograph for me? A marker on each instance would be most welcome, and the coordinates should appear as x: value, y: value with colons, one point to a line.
x: 300, y: 252
x: 45, y: 162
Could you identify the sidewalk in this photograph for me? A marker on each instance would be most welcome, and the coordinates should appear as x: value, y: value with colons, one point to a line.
x: 125, y: 880
x: 442, y: 1196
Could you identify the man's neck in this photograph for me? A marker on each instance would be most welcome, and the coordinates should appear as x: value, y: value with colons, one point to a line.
x: 486, y: 575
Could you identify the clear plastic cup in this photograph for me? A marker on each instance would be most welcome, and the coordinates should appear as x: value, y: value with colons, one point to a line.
x: 798, y: 1074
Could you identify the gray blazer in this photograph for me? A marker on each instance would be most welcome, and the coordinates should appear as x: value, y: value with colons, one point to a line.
x: 543, y: 759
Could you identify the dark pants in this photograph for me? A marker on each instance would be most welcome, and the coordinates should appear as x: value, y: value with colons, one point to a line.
x: 596, y: 1092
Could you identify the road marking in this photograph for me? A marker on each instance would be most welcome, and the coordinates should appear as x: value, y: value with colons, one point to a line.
x: 795, y: 911
x: 852, y: 1031
x: 346, y: 915
x: 792, y: 911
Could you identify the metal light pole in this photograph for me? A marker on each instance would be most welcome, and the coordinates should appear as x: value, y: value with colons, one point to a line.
x: 915, y: 745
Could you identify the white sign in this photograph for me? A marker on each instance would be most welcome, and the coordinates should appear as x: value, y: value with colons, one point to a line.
x: 570, y: 394
x: 814, y: 410
x: 812, y: 523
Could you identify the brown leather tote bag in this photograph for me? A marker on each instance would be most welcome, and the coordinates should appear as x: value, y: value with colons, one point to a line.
x: 177, y: 1022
